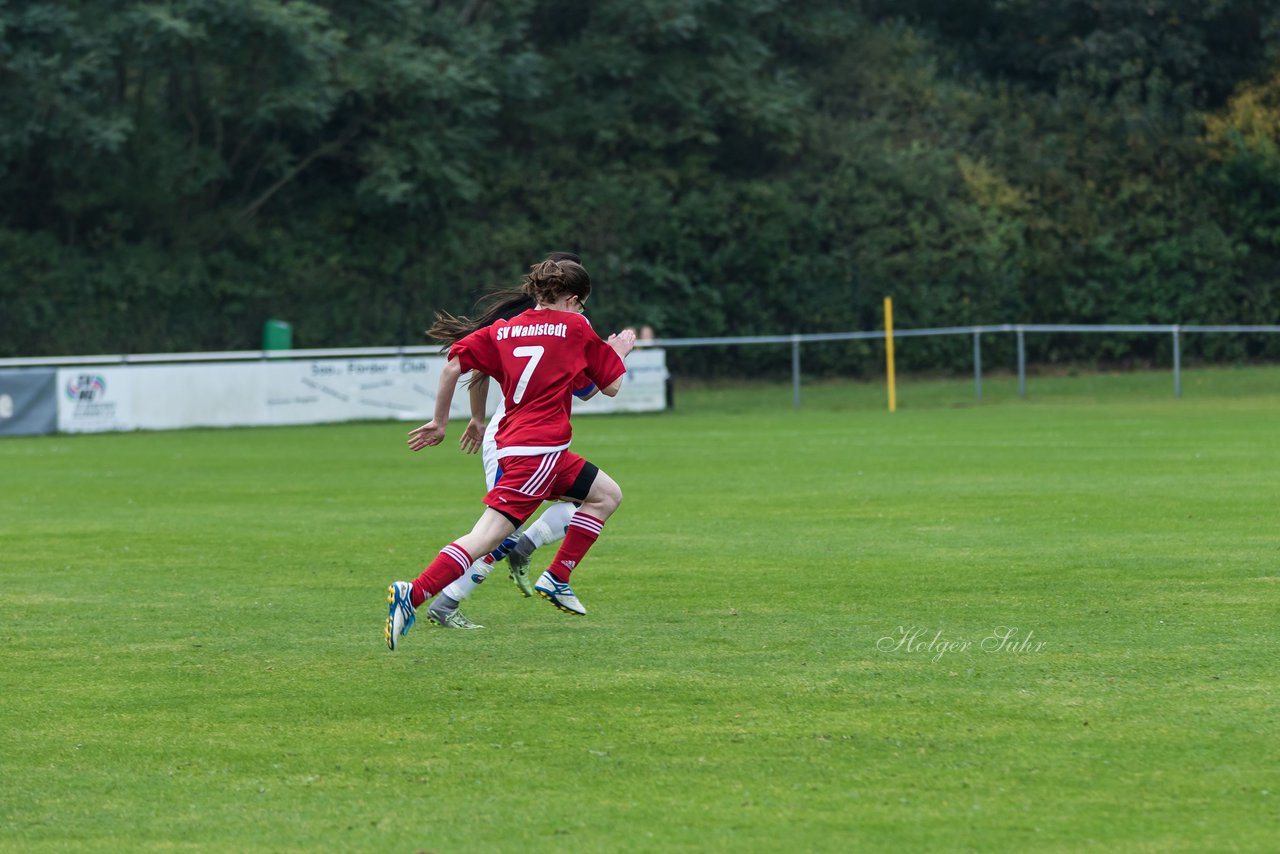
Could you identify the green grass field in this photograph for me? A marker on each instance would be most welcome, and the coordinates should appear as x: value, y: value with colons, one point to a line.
x: 1041, y: 625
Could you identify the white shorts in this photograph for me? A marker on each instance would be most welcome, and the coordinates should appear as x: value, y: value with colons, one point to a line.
x: 489, y: 448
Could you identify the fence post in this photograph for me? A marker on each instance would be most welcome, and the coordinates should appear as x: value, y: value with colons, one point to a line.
x: 1177, y: 362
x: 1022, y: 364
x: 795, y: 371
x: 977, y: 363
x: 888, y: 354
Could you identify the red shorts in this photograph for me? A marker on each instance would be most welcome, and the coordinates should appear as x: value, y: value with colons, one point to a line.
x: 523, y: 483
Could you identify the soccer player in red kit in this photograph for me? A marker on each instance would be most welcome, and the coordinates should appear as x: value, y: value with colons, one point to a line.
x: 537, y: 357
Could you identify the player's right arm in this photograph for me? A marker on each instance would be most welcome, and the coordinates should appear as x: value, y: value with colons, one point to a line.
x: 475, y: 352
x: 432, y: 433
x: 473, y: 436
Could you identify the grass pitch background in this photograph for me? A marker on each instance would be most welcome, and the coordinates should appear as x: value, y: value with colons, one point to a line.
x: 191, y: 654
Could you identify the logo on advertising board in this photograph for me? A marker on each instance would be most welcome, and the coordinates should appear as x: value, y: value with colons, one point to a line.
x: 87, y: 393
x: 86, y: 387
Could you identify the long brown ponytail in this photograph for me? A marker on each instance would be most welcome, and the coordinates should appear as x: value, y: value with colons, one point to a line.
x: 560, y: 274
x: 552, y: 279
x: 450, y: 329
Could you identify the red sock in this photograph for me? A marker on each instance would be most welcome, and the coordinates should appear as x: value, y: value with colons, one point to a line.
x: 583, y: 531
x: 440, y: 573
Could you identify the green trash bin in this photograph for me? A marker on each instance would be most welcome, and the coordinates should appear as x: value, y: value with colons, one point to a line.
x: 277, y: 335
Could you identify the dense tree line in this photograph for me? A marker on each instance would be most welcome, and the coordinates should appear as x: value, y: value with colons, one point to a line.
x: 175, y: 172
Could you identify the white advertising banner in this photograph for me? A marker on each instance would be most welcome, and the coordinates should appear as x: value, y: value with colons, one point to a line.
x: 354, y: 390
x: 643, y: 390
x: 299, y: 391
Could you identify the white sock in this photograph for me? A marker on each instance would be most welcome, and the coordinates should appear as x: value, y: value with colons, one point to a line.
x: 466, y: 584
x: 551, y: 524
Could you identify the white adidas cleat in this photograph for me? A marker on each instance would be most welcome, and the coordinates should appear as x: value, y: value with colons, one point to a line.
x: 559, y: 594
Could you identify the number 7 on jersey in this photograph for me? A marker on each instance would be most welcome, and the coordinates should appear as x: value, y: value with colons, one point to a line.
x: 534, y: 354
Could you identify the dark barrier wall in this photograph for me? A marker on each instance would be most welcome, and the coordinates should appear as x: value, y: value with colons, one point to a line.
x: 28, y: 401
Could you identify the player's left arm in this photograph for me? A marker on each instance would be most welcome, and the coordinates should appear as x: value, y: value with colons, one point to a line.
x: 604, y: 361
x: 622, y: 342
x: 590, y: 390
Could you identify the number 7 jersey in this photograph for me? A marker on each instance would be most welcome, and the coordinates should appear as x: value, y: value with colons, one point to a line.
x: 538, y: 357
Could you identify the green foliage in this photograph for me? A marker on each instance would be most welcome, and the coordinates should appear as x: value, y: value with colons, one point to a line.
x: 172, y: 174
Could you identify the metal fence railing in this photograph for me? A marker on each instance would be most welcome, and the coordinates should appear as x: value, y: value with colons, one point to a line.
x: 1020, y: 330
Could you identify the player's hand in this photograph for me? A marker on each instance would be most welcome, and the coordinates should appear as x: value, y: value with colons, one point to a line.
x: 472, y: 437
x: 426, y: 435
x: 622, y: 342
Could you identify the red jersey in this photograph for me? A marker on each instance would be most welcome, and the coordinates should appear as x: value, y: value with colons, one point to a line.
x: 538, y: 357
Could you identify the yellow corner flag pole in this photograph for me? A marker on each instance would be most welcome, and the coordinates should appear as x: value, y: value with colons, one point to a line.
x: 888, y: 351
